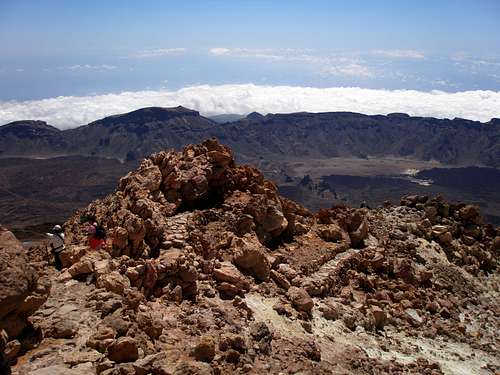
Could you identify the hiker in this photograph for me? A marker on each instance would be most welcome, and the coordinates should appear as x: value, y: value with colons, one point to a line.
x: 57, y: 245
x: 96, y: 235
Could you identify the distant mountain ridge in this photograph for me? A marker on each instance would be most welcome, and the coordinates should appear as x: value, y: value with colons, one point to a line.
x: 32, y: 138
x: 136, y: 134
x: 274, y: 136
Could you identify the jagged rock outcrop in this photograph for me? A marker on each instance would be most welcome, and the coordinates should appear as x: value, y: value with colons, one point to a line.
x: 206, y: 269
x: 21, y: 294
x: 459, y: 229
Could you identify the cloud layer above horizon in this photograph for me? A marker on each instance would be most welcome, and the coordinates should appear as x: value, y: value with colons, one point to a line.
x: 71, y: 111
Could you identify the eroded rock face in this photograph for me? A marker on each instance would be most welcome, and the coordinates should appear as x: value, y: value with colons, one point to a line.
x: 208, y: 270
x: 201, y: 176
x: 16, y: 276
x: 144, y: 242
x: 21, y: 292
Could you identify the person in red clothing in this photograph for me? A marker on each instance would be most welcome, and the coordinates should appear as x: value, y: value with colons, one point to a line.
x: 96, y: 236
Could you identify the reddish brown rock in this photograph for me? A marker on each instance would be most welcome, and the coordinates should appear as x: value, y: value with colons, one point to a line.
x: 403, y: 268
x: 72, y: 254
x: 101, y: 338
x: 113, y: 282
x: 331, y: 232
x: 379, y: 316
x: 200, y: 250
x: 205, y: 349
x: 250, y: 256
x: 12, y: 350
x: 62, y: 329
x: 280, y: 279
x: 4, y: 361
x: 123, y: 349
x: 228, y: 290
x: 300, y: 299
x: 330, y: 312
x: 413, y: 200
x: 359, y: 234
x: 83, y: 267
x: 21, y: 291
x: 229, y: 273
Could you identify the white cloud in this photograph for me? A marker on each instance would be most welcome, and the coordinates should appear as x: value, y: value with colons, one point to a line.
x: 19, y: 70
x: 443, y: 83
x: 91, y: 67
x: 335, y: 65
x: 219, y: 51
x: 399, y: 53
x: 351, y: 69
x: 71, y: 111
x: 156, y: 52
x: 254, y: 53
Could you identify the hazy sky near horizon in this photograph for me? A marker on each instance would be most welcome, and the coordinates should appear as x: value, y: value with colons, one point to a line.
x: 52, y: 48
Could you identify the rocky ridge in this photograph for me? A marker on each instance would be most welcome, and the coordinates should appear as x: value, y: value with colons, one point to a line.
x: 207, y: 270
x: 297, y: 136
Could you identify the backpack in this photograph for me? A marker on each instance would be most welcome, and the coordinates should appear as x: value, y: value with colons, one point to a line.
x: 100, y: 233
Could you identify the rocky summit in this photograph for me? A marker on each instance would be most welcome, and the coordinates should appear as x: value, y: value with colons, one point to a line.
x: 208, y: 270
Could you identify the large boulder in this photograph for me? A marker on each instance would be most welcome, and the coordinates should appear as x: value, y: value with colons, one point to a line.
x: 113, y: 282
x: 359, y: 234
x: 21, y: 293
x: 72, y: 254
x: 267, y: 212
x: 250, y: 256
x: 16, y: 276
x: 80, y: 268
x: 123, y: 349
x: 227, y: 272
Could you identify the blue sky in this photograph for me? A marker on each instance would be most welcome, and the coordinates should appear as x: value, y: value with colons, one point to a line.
x: 52, y: 48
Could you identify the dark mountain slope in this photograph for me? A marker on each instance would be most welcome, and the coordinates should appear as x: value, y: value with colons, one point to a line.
x: 320, y: 135
x: 276, y: 136
x: 135, y: 134
x: 31, y: 138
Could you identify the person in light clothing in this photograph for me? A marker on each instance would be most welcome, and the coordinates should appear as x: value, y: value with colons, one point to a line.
x: 56, y: 244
